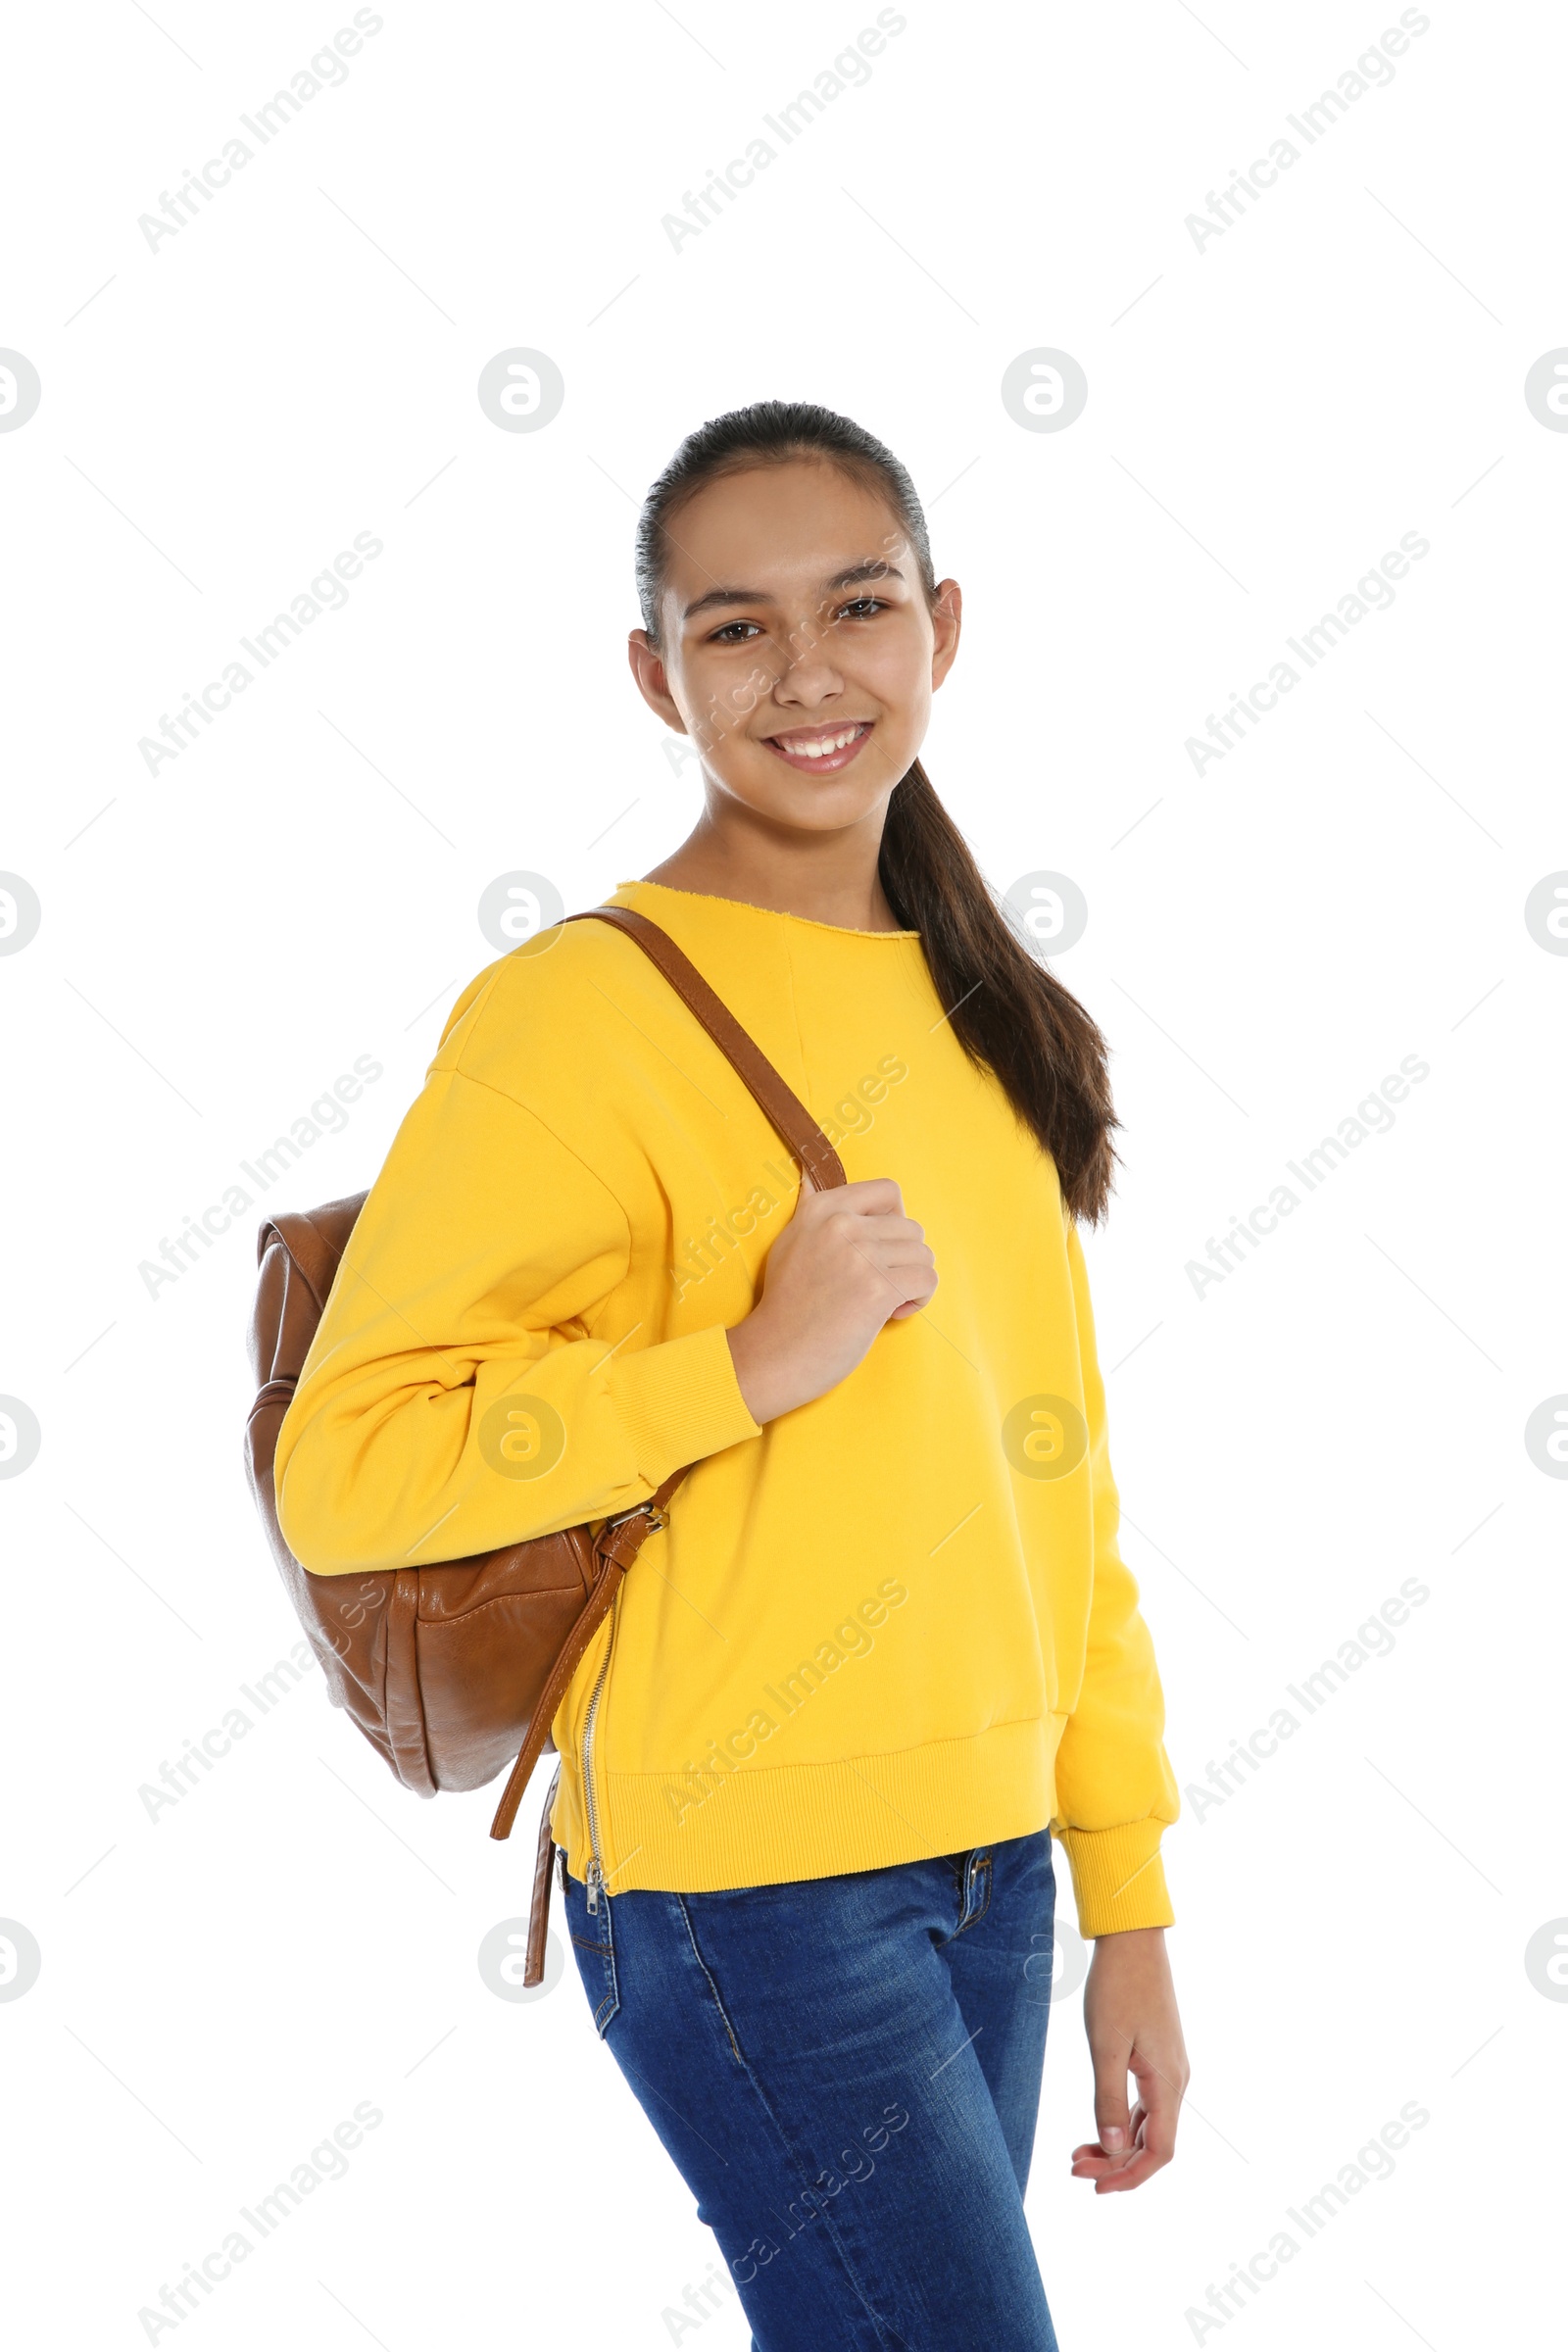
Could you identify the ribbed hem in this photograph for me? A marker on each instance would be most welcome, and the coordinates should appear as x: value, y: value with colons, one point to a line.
x: 1118, y: 1877
x: 682, y: 1401
x: 764, y: 1825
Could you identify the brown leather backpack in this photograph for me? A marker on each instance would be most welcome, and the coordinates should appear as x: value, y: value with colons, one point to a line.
x: 451, y: 1670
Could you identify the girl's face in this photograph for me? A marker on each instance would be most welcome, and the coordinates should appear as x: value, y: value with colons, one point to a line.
x: 797, y: 648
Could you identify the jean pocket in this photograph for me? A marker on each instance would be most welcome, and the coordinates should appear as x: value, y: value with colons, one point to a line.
x: 593, y: 1947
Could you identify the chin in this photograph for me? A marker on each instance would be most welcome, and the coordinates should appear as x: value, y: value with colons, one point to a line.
x: 812, y: 808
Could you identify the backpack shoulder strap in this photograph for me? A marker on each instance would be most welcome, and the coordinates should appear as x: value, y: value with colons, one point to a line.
x: 780, y: 1103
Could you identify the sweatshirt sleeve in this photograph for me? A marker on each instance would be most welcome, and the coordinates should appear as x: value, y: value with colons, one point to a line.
x: 1115, y: 1788
x: 454, y: 1398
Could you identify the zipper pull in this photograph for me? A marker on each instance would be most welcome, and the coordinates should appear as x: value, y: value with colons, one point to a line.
x: 595, y: 1881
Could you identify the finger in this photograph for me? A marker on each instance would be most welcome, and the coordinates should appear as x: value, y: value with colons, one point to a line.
x: 886, y: 1224
x: 1129, y: 2176
x: 1153, y: 2151
x: 1160, y: 2102
x: 1112, y: 2115
x: 872, y: 1196
x: 901, y: 1265
x: 914, y: 1286
x: 895, y: 1289
x: 1090, y: 2162
x: 900, y: 1258
x: 889, y: 1242
x: 881, y: 1245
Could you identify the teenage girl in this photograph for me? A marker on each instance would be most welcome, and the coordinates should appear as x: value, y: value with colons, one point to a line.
x: 886, y: 1646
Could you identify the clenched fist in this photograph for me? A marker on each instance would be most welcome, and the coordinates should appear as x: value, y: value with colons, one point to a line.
x: 847, y: 1261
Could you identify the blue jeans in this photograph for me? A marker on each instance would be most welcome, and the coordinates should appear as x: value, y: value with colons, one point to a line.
x: 846, y: 2072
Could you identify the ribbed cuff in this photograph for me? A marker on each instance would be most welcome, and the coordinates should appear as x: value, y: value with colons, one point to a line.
x: 682, y: 1401
x: 1118, y: 1877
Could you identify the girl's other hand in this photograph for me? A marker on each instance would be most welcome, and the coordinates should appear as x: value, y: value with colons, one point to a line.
x: 1130, y: 2017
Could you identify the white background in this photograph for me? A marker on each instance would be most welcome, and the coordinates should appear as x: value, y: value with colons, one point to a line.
x: 1266, y: 416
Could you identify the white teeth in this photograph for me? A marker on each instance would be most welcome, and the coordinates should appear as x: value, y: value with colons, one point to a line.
x: 828, y: 743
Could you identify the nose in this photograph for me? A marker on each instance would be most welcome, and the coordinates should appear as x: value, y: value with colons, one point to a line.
x: 809, y: 677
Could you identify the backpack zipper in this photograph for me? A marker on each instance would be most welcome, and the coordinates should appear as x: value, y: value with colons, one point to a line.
x: 596, y: 1873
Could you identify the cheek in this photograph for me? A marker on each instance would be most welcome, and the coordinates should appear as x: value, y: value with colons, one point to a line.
x: 718, y: 699
x: 895, y: 669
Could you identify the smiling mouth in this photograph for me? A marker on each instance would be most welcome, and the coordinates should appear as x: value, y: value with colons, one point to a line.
x: 821, y: 751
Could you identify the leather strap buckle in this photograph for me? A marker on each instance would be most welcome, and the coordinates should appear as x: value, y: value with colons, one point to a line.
x: 655, y: 1518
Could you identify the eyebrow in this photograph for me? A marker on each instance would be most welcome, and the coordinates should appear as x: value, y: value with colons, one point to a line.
x: 875, y: 568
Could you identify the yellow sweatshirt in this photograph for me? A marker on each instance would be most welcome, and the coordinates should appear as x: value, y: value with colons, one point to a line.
x: 894, y: 1623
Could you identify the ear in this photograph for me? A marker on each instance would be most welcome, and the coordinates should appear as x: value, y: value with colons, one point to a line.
x: 648, y: 669
x: 947, y: 621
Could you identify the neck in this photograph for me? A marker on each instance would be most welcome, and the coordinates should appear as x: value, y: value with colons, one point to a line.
x: 734, y: 853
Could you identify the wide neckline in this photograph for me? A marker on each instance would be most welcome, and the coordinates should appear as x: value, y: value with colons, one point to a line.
x: 777, y: 915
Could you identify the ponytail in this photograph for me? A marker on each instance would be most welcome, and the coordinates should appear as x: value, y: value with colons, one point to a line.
x: 1009, y: 1012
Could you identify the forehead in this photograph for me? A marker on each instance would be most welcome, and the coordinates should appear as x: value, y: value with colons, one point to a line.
x: 781, y: 528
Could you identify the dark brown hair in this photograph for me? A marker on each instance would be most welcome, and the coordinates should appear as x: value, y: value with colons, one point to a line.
x: 1010, y: 1013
